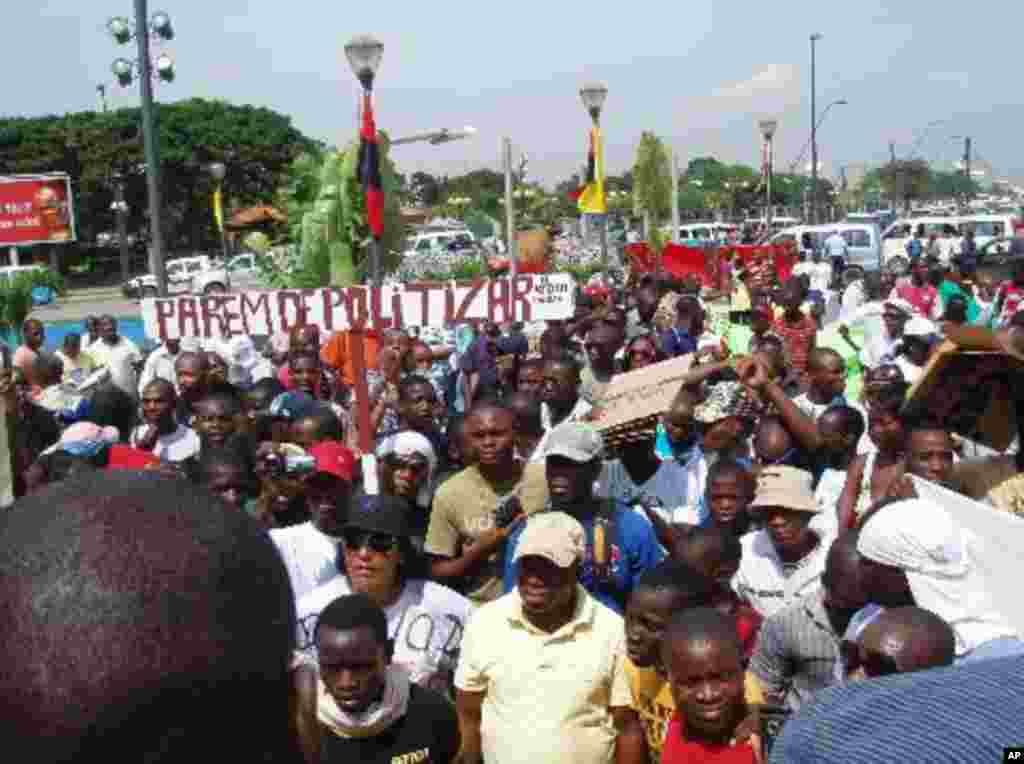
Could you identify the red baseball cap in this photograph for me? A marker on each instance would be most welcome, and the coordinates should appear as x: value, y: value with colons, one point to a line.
x: 124, y: 457
x: 334, y: 459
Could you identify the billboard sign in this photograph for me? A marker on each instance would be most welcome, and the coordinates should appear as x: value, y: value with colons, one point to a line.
x: 36, y: 209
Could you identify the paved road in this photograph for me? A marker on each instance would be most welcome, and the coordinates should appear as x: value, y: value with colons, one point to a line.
x: 77, y: 306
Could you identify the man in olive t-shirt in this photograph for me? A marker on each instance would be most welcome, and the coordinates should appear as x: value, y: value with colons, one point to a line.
x: 464, y: 539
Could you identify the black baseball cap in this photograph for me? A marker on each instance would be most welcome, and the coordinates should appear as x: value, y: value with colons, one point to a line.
x: 379, y: 514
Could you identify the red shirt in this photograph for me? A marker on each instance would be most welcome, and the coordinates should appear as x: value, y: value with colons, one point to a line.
x: 922, y: 298
x: 797, y: 339
x: 748, y: 624
x: 679, y: 750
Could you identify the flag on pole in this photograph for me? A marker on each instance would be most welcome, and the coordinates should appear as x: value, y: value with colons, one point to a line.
x: 218, y: 209
x: 590, y: 197
x: 369, y: 170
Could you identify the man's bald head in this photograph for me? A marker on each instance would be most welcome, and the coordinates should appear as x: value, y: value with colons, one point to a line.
x: 141, y: 618
x: 192, y: 361
x: 908, y: 639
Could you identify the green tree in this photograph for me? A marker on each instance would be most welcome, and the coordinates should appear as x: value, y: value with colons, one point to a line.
x: 335, y: 237
x: 256, y: 144
x: 652, y: 180
x: 905, y: 180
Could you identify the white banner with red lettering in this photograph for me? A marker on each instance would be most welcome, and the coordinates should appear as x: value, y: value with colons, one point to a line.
x: 539, y: 297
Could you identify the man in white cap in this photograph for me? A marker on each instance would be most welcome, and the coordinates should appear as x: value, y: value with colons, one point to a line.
x: 783, y: 561
x: 541, y: 674
x: 620, y: 544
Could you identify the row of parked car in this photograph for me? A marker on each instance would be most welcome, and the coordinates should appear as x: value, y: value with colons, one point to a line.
x: 200, y: 274
x: 871, y: 249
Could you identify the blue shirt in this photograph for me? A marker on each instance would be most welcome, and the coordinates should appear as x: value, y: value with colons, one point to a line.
x: 676, y: 342
x: 634, y: 549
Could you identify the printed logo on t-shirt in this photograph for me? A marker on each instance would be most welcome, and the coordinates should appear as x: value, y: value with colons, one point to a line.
x: 414, y: 757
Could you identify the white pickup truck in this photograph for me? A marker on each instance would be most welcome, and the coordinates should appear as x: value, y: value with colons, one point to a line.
x: 185, y: 275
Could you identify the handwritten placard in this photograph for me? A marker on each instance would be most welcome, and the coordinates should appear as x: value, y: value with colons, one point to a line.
x: 530, y: 298
x: 641, y: 394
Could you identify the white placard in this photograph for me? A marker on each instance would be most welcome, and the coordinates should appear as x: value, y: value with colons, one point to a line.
x: 534, y: 298
x: 1001, y: 538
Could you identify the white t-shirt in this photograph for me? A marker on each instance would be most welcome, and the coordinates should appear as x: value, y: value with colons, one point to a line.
x: 176, y: 447
x: 310, y: 556
x: 835, y: 246
x: 118, y: 358
x: 765, y: 582
x: 425, y: 624
x: 159, y: 365
x: 679, y: 489
x: 821, y: 276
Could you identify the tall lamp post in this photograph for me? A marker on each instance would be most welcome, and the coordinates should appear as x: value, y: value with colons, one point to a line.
x: 218, y: 170
x: 159, y: 28
x: 120, y: 208
x: 814, y: 133
x: 364, y: 53
x: 593, y: 96
x: 768, y: 127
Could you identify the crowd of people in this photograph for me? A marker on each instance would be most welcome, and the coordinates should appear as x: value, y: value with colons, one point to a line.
x: 206, y: 559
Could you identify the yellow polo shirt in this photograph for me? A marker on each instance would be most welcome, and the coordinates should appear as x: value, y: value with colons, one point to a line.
x: 653, y: 703
x: 548, y: 696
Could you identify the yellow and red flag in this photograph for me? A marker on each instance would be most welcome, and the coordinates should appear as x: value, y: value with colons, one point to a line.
x: 590, y: 198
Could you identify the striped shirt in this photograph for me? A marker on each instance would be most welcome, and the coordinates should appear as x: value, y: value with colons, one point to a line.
x: 796, y: 652
x: 797, y: 339
x: 965, y: 714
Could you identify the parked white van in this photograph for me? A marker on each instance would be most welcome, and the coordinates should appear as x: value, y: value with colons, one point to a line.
x: 951, y: 230
x: 863, y: 242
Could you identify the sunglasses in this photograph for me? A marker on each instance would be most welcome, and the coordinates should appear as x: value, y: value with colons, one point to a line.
x: 382, y: 543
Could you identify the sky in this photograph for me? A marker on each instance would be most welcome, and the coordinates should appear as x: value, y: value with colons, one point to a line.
x: 699, y: 74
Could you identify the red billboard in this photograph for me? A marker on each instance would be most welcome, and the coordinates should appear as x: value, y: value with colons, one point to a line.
x: 36, y: 209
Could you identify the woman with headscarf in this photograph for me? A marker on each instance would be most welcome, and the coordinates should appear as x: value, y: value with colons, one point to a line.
x: 407, y: 467
x: 915, y: 553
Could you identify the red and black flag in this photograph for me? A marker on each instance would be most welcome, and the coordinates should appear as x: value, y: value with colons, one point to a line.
x: 369, y: 170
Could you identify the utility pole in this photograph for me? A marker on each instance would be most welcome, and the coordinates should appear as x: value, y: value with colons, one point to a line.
x: 814, y: 134
x: 967, y: 168
x: 510, y: 226
x: 101, y: 92
x: 892, y: 151
x: 151, y: 142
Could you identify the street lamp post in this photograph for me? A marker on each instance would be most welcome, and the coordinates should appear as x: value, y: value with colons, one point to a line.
x: 593, y: 96
x: 814, y: 134
x: 122, y: 31
x: 768, y: 127
x: 218, y: 171
x: 120, y: 208
x: 364, y: 53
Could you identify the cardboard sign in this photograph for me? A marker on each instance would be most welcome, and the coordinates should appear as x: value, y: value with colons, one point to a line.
x: 637, y: 396
x: 532, y: 298
x: 971, y: 392
x: 1000, y: 537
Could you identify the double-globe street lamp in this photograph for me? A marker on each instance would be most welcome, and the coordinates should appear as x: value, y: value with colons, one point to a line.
x: 160, y: 29
x: 593, y: 95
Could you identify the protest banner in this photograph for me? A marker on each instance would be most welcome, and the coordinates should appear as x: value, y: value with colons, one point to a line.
x: 539, y: 297
x: 968, y: 385
x: 36, y: 209
x: 632, y: 402
x: 999, y: 536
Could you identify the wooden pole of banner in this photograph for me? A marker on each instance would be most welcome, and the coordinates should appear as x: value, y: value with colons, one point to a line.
x: 356, y: 346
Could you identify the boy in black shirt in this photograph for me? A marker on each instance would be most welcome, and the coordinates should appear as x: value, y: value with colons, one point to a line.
x: 360, y: 707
